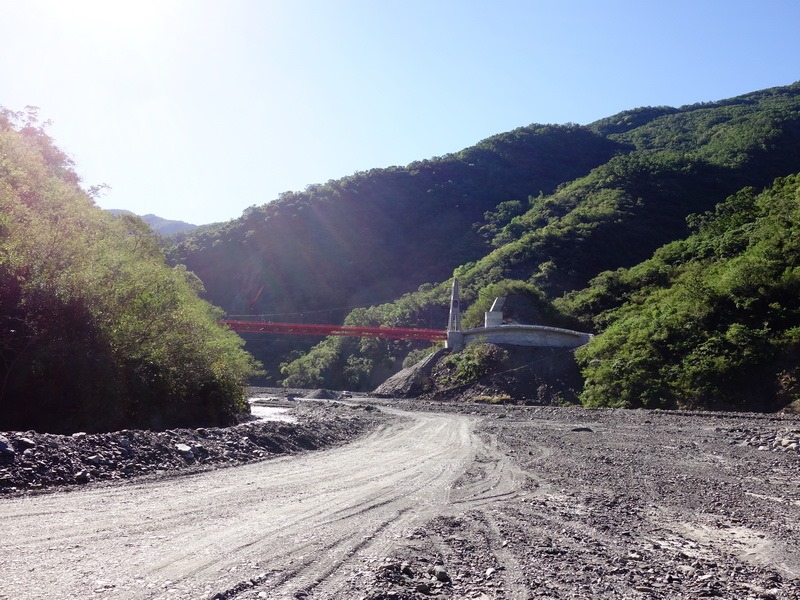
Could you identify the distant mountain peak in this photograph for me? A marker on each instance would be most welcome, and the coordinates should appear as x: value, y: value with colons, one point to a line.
x: 158, y: 224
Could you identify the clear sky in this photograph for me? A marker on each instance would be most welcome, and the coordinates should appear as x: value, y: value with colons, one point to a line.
x: 197, y: 109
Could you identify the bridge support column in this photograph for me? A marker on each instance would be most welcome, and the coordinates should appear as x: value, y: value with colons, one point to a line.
x: 455, y: 339
x: 494, y: 318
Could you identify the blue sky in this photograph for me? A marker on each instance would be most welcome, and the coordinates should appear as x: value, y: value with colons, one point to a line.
x: 197, y: 109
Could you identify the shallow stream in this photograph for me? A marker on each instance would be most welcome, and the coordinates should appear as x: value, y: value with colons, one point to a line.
x: 263, y: 410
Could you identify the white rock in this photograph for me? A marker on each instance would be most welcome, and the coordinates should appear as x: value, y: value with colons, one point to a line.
x: 184, y: 450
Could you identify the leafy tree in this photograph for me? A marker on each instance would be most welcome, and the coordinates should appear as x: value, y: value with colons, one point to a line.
x: 499, y: 219
x: 96, y: 330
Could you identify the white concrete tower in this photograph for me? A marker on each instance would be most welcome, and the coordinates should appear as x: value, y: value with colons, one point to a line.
x: 455, y: 339
x: 494, y: 318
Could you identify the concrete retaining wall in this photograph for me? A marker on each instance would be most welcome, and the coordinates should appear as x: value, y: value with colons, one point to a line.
x: 520, y: 335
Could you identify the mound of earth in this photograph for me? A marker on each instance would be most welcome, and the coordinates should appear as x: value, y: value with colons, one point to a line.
x: 411, y: 381
x: 321, y: 394
x: 526, y: 375
x: 33, y: 461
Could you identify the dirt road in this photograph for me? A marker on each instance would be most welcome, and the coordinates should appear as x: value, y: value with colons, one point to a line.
x: 514, y: 502
x: 290, y: 525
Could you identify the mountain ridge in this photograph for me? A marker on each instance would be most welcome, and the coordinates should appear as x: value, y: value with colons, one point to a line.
x: 543, y: 209
x: 684, y: 161
x: 158, y: 224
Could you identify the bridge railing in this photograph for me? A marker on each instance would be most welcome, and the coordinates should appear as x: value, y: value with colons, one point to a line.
x: 402, y: 333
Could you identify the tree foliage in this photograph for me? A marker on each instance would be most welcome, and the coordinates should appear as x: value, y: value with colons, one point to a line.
x: 523, y: 298
x: 712, y: 321
x: 96, y: 330
x: 362, y: 364
x: 600, y: 200
x: 374, y: 235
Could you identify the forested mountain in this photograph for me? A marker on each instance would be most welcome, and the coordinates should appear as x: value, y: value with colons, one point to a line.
x: 669, y: 163
x: 374, y: 235
x: 672, y: 233
x: 97, y: 332
x: 158, y: 224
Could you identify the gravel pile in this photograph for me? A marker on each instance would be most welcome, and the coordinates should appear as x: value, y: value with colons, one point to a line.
x: 783, y: 440
x: 35, y: 461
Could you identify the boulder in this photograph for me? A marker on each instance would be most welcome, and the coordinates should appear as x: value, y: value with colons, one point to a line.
x: 24, y: 443
x: 5, y: 447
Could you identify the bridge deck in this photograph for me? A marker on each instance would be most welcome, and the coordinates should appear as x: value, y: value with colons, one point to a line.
x: 401, y: 333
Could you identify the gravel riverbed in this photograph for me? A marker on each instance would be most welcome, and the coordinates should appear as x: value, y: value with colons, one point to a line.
x: 580, y: 503
x: 614, y: 504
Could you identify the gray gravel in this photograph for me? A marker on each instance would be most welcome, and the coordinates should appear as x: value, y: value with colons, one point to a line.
x: 614, y: 504
x: 31, y: 461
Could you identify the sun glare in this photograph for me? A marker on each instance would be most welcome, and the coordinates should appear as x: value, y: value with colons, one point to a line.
x: 109, y: 17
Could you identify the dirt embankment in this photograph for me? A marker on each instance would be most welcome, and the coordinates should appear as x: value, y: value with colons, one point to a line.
x: 36, y: 461
x: 528, y: 375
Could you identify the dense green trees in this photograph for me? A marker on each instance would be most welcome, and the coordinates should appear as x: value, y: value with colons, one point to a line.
x: 362, y: 364
x: 96, y: 330
x: 374, y: 235
x: 569, y: 216
x: 710, y: 321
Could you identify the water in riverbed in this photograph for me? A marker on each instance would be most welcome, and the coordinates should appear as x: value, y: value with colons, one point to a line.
x: 264, y: 410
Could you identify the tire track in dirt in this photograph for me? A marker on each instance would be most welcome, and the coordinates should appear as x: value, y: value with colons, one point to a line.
x: 288, y: 524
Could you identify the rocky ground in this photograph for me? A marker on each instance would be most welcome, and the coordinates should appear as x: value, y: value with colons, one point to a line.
x: 602, y: 503
x: 616, y: 504
x: 528, y: 375
x: 31, y: 461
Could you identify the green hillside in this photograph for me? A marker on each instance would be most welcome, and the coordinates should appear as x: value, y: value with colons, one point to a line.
x: 97, y: 332
x: 161, y: 226
x: 669, y: 164
x: 712, y: 321
x: 672, y: 233
x: 377, y: 234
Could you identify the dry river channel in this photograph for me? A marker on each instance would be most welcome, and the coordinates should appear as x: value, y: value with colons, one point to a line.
x: 466, y: 502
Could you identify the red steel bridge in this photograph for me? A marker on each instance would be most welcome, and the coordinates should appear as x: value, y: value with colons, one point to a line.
x: 398, y: 333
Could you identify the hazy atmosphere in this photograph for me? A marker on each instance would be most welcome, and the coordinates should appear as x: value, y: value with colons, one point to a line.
x: 195, y: 110
x: 494, y: 300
